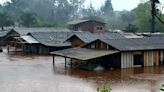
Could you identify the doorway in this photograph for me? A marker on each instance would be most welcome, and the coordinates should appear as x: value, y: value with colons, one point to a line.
x: 138, y: 60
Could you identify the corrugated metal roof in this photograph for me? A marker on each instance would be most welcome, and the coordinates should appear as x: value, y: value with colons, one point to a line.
x: 29, y: 39
x: 4, y: 33
x: 25, y: 31
x: 130, y: 44
x: 53, y: 38
x: 84, y: 53
x: 88, y: 37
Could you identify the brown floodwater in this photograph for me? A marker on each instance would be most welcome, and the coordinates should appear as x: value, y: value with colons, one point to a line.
x: 27, y: 73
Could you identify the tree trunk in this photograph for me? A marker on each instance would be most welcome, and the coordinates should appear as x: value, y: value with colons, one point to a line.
x: 2, y: 28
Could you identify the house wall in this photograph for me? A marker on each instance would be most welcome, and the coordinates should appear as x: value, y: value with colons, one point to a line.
x: 151, y: 58
x: 41, y: 49
x: 111, y: 61
x: 161, y: 57
x: 99, y: 45
x: 90, y: 26
x: 127, y: 59
x: 75, y: 42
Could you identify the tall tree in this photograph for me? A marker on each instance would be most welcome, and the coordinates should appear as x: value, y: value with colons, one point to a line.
x: 143, y: 18
x: 28, y: 19
x: 90, y: 11
x: 66, y: 9
x: 107, y: 9
x: 5, y: 20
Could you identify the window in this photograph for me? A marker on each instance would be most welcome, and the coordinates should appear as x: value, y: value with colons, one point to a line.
x: 93, y: 46
x: 99, y: 28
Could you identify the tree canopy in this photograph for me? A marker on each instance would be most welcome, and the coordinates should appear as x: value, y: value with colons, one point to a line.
x: 41, y: 13
x: 5, y: 21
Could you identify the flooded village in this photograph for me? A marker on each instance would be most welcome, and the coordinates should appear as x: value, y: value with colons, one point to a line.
x: 74, y: 46
x: 48, y: 59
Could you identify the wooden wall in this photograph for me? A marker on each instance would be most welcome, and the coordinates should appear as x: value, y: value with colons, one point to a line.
x: 161, y: 57
x: 151, y: 58
x: 127, y: 59
x: 100, y: 45
x: 75, y: 42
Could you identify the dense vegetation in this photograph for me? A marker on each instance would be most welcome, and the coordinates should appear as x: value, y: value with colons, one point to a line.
x: 56, y: 13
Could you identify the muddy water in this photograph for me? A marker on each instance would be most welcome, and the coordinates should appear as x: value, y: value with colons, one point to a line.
x: 25, y: 73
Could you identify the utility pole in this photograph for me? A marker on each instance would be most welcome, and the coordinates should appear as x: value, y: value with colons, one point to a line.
x: 153, y: 12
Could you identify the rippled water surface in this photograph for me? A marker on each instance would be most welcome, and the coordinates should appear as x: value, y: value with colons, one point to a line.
x: 26, y: 73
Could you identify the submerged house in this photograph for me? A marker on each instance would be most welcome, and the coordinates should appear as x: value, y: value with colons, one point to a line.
x: 46, y: 42
x: 78, y: 40
x: 118, y: 53
x: 18, y: 37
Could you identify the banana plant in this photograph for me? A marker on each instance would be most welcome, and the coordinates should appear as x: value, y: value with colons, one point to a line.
x: 162, y: 89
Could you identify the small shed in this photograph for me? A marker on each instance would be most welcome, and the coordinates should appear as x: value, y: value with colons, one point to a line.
x: 87, y: 58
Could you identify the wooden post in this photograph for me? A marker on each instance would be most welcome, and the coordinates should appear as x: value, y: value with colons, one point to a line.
x: 145, y: 58
x: 65, y: 62
x: 156, y: 58
x: 71, y: 63
x: 53, y: 60
x: 8, y: 49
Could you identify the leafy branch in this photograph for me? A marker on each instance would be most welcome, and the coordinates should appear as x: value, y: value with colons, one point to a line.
x: 162, y: 89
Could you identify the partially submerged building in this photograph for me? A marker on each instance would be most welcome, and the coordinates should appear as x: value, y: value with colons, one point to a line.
x: 17, y: 38
x: 118, y: 53
x: 45, y: 42
x: 93, y: 25
x: 78, y: 40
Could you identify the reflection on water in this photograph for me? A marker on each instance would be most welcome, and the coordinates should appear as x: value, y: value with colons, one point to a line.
x: 26, y: 73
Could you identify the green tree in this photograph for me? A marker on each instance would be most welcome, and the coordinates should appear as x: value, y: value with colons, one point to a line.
x: 5, y: 21
x: 107, y: 9
x: 66, y: 9
x: 28, y: 19
x: 143, y: 18
x: 162, y: 89
x: 90, y: 11
x: 131, y: 28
